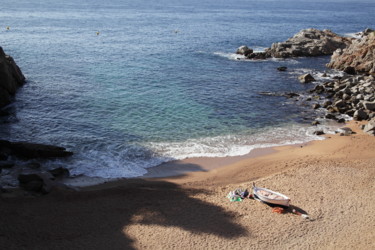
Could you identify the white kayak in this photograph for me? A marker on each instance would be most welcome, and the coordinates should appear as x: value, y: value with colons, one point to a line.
x: 271, y: 197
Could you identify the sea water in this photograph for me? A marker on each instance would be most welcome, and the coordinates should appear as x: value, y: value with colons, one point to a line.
x: 127, y: 85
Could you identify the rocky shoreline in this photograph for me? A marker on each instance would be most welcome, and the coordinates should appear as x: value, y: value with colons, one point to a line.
x: 19, y: 155
x: 352, y: 94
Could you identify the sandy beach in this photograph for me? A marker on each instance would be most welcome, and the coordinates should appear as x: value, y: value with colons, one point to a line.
x: 333, y: 181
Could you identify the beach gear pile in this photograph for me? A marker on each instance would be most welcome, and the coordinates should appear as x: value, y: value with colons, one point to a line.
x: 238, y: 195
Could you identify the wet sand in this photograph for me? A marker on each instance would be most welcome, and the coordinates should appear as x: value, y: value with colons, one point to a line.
x: 333, y: 181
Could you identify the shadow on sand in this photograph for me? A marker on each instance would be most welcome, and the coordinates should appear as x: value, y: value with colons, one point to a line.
x: 287, y: 210
x: 97, y: 219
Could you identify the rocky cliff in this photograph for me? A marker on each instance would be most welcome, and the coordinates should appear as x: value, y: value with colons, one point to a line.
x: 11, y: 78
x: 360, y: 55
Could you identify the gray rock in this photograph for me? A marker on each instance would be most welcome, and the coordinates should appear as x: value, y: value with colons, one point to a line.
x: 306, y: 78
x: 369, y: 128
x: 326, y: 104
x: 369, y: 105
x: 291, y: 95
x: 319, y: 132
x: 345, y: 131
x: 39, y: 182
x: 34, y: 150
x: 340, y: 104
x: 316, y: 106
x: 244, y: 50
x: 258, y: 56
x: 360, y: 115
x: 283, y: 68
x: 309, y: 42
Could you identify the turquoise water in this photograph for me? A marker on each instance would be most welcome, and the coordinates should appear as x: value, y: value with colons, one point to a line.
x: 127, y: 85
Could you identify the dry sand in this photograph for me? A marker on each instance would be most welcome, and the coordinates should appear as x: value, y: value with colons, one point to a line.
x: 332, y: 180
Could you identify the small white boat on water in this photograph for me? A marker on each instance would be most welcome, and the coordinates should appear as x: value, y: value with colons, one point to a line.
x: 271, y: 197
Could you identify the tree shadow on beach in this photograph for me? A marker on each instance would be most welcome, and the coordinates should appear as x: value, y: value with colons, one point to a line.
x: 98, y: 219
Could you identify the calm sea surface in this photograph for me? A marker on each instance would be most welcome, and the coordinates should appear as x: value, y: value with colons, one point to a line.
x: 127, y: 85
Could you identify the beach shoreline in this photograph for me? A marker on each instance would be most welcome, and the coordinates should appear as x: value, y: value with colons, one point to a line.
x: 329, y: 180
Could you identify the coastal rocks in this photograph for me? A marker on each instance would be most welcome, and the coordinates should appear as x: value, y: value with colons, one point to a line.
x: 31, y: 175
x: 287, y: 95
x: 31, y: 182
x: 345, y: 131
x: 258, y: 56
x: 369, y: 128
x: 34, y: 150
x: 306, y: 78
x: 37, y: 182
x: 350, y: 95
x: 360, y: 115
x: 309, y: 42
x: 359, y: 56
x: 42, y: 182
x: 282, y: 68
x: 319, y: 132
x: 11, y: 78
x: 369, y: 105
x: 244, y: 50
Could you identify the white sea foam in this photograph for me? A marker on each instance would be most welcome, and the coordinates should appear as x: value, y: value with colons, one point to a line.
x: 95, y: 166
x: 356, y: 35
x: 236, y: 145
x: 230, y: 56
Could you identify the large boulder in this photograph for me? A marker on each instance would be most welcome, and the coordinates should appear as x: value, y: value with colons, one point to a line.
x: 28, y: 150
x: 306, y: 78
x: 369, y: 128
x: 309, y: 42
x: 244, y: 50
x: 40, y: 182
x: 360, y: 55
x: 11, y: 78
x: 369, y: 105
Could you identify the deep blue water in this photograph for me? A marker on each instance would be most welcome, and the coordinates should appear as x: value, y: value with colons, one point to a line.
x: 127, y: 85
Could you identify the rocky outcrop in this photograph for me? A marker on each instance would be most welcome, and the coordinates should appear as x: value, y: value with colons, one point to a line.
x: 307, y: 43
x: 27, y: 150
x: 35, y: 150
x: 306, y: 78
x: 11, y: 78
x: 360, y: 55
x: 244, y: 50
x: 31, y: 176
